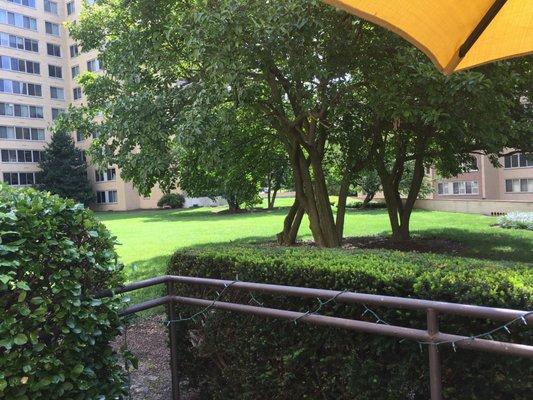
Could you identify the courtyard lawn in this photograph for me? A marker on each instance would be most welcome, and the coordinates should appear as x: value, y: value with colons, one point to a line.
x: 149, y: 238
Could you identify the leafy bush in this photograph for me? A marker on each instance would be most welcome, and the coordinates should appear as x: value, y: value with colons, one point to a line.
x: 54, y: 337
x: 172, y: 200
x: 372, y: 205
x: 517, y: 220
x: 229, y: 355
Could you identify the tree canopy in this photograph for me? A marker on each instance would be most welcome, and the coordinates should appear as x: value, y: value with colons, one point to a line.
x: 64, y: 171
x: 200, y: 93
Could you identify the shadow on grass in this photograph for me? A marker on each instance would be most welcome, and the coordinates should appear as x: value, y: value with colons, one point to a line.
x: 496, y: 245
x: 190, y: 215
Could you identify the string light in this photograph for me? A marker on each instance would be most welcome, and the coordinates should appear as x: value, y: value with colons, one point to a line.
x: 367, y: 310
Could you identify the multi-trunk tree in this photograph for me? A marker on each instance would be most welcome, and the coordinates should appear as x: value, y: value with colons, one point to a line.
x: 318, y: 82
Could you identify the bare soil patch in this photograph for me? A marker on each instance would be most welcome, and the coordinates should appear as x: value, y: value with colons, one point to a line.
x: 147, y: 339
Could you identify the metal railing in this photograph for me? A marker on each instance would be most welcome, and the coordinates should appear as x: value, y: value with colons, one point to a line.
x: 430, y: 336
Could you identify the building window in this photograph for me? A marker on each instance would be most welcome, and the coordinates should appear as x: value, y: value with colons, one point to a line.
x: 20, y: 156
x: 21, y: 133
x: 51, y: 7
x: 21, y: 178
x: 93, y: 65
x: 79, y: 136
x: 519, y: 160
x: 523, y: 185
x: 17, y: 20
x: 51, y: 28
x: 53, y: 50
x: 56, y: 112
x: 18, y: 42
x: 458, y: 188
x: 75, y: 70
x: 19, y: 65
x: 83, y: 156
x: 25, y: 3
x: 21, y: 110
x: 106, y: 197
x: 55, y: 71
x: 74, y: 50
x: 17, y: 87
x: 57, y: 93
x: 76, y: 93
x: 105, y: 176
x: 70, y: 8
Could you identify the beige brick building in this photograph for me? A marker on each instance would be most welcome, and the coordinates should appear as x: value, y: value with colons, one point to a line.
x: 484, y: 188
x: 38, y: 69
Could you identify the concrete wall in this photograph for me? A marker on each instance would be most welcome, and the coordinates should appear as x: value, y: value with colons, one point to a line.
x: 486, y: 207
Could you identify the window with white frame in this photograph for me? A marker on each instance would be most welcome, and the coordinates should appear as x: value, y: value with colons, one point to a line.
x: 51, y: 7
x: 57, y: 93
x: 21, y: 133
x: 106, y: 197
x: 21, y: 178
x: 108, y: 175
x: 25, y: 3
x: 17, y: 20
x: 19, y: 65
x: 56, y: 112
x: 19, y: 42
x: 23, y: 88
x: 51, y: 28
x: 457, y: 188
x: 75, y: 71
x: 20, y: 156
x: 21, y: 110
x: 522, y: 185
x: 94, y: 65
x: 74, y: 50
x: 53, y: 49
x: 71, y: 8
x: 55, y: 71
x: 76, y: 93
x: 518, y: 160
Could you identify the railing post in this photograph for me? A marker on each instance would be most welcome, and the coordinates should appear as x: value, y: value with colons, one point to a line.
x: 435, y: 378
x: 173, y: 336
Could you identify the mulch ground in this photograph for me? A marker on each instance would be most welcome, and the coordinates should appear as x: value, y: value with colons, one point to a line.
x: 147, y: 339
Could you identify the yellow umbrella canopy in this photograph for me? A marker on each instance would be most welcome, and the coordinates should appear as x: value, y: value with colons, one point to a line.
x: 455, y: 34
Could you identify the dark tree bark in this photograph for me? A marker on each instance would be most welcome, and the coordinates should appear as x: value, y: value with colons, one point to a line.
x: 341, y: 205
x: 291, y: 225
x: 368, y: 198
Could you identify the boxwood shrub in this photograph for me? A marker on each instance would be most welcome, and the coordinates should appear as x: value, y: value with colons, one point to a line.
x: 228, y: 356
x: 54, y: 336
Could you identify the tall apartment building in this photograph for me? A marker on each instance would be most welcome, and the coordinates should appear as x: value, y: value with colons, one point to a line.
x: 38, y: 66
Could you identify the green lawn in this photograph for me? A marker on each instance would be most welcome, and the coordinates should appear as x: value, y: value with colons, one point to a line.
x: 148, y: 238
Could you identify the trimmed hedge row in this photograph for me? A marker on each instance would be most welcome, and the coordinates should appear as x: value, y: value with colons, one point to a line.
x: 54, y: 337
x: 230, y: 356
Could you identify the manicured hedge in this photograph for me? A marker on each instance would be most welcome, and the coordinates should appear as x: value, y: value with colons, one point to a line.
x: 231, y: 356
x: 54, y: 336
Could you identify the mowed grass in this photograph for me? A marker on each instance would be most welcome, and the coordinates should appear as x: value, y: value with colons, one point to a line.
x: 149, y: 238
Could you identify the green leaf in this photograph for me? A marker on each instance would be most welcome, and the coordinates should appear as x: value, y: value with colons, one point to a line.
x: 20, y: 339
x: 78, y: 369
x: 22, y: 296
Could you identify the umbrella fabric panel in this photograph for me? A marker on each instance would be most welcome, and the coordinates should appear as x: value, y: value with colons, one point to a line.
x: 440, y: 28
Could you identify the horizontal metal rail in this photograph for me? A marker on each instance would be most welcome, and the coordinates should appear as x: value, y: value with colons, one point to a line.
x: 432, y: 336
x: 497, y: 314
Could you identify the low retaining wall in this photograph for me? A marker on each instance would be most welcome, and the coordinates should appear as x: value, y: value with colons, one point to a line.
x: 487, y: 207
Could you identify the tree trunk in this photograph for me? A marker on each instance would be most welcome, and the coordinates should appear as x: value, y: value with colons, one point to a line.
x: 291, y: 225
x: 368, y: 199
x: 233, y: 205
x: 273, y: 199
x: 341, y: 206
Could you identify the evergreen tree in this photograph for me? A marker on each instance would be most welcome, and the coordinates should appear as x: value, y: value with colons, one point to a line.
x: 64, y: 171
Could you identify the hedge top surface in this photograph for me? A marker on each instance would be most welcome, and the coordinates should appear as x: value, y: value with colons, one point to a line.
x: 422, y: 275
